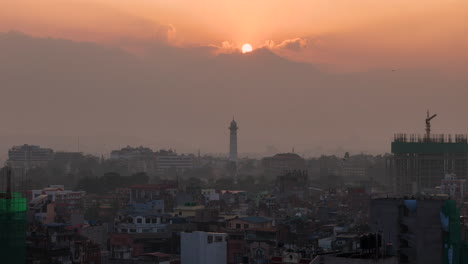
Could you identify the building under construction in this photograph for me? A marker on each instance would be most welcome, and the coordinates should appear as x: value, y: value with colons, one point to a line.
x: 419, y: 163
x: 12, y: 224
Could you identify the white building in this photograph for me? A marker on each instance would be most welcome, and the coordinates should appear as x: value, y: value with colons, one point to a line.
x: 58, y: 193
x: 29, y: 156
x: 453, y: 186
x: 141, y: 223
x: 203, y: 248
x: 67, y: 202
x: 210, y: 195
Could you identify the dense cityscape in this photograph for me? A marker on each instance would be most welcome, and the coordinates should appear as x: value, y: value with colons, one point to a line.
x: 158, y: 206
x: 233, y: 132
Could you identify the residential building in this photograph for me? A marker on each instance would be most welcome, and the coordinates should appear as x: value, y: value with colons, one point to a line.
x: 250, y: 222
x: 453, y: 187
x: 411, y: 226
x: 67, y: 202
x: 203, y: 248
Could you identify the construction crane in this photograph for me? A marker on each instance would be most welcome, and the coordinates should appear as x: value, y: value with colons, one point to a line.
x: 428, y: 125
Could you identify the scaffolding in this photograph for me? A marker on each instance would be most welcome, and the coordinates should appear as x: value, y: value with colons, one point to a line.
x: 13, y: 228
x: 419, y: 163
x: 12, y: 225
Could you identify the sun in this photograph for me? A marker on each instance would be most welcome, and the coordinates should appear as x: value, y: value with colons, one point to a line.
x: 246, y: 48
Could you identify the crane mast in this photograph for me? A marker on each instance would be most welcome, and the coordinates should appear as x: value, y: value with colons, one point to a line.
x: 428, y: 125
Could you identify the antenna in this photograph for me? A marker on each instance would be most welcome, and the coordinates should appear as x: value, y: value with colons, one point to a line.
x: 428, y: 125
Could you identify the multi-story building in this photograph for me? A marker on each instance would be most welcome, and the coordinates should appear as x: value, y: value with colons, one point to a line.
x: 29, y: 156
x: 169, y: 160
x: 67, y: 202
x: 203, y: 248
x: 282, y: 162
x: 139, y: 159
x: 129, y: 153
x: 141, y: 223
x: 411, y: 226
x: 250, y: 222
x: 419, y: 163
x: 453, y: 187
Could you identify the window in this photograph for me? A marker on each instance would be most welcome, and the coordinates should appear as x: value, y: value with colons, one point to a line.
x: 124, y: 230
x: 153, y: 220
x: 145, y: 230
x: 147, y: 220
x: 132, y: 230
x: 246, y: 225
x: 238, y: 226
x: 139, y: 220
x: 218, y: 239
x: 210, y: 239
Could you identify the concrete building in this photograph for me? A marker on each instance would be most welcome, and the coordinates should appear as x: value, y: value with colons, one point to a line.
x: 129, y: 153
x: 233, y: 141
x: 411, y: 227
x: 29, y: 156
x: 139, y: 159
x: 419, y: 163
x: 250, y: 222
x: 67, y: 202
x: 169, y: 160
x: 203, y: 248
x: 282, y: 162
x: 453, y: 187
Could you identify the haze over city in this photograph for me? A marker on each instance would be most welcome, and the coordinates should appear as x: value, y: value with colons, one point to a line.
x: 233, y: 132
x: 323, y: 77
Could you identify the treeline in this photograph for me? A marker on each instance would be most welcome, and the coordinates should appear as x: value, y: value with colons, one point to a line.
x: 109, y: 182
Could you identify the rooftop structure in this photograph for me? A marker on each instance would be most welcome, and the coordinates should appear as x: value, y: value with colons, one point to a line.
x: 419, y: 163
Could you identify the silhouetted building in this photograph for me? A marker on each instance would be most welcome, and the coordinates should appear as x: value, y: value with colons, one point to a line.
x: 167, y: 160
x: 282, y: 162
x: 29, y: 156
x: 420, y: 163
x: 411, y: 228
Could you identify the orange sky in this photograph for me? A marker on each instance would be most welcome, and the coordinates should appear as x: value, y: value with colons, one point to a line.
x: 350, y: 34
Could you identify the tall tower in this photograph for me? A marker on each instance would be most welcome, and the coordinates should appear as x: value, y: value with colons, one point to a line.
x: 233, y: 141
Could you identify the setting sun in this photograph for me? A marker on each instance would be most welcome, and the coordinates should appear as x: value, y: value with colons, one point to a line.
x: 246, y: 48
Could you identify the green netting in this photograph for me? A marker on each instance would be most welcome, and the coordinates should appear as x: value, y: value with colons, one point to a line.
x: 451, y: 239
x: 428, y: 148
x: 13, y: 229
x: 15, y: 204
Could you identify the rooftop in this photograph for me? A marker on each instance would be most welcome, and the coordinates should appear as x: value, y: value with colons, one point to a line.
x: 255, y: 219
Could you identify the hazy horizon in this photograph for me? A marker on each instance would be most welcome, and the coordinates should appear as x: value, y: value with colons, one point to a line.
x: 322, y: 78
